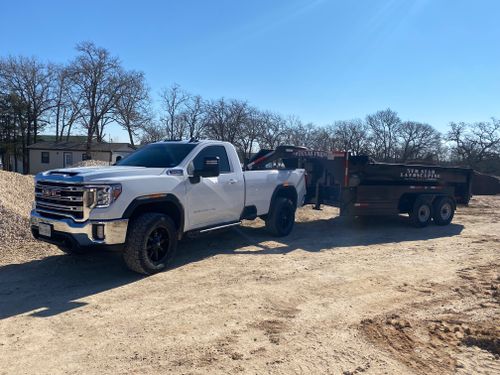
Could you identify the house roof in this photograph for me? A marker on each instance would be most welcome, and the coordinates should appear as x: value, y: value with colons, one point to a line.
x: 53, y: 138
x: 82, y: 146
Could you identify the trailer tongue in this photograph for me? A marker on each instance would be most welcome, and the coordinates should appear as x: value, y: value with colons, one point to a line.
x: 359, y: 186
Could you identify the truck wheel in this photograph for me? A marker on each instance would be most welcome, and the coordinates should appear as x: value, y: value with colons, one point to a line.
x: 421, y: 213
x: 151, y: 243
x: 444, y: 209
x: 281, y: 218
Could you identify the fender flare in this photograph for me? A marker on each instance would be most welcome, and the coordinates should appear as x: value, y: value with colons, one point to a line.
x: 156, y: 199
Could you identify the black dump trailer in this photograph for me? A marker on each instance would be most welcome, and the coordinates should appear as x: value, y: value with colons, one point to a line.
x: 360, y: 186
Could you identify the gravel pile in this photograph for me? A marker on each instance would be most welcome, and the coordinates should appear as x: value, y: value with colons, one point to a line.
x: 91, y: 163
x: 16, y: 199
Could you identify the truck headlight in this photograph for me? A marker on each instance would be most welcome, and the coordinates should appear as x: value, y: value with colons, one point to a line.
x: 103, y: 195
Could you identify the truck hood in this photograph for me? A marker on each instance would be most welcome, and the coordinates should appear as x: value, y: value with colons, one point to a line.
x: 96, y: 174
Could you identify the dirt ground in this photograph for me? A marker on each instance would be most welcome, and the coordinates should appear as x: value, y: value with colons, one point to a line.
x: 369, y: 297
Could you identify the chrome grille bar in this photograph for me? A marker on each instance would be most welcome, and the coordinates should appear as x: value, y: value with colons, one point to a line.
x: 76, y: 189
x: 61, y: 198
x: 60, y: 207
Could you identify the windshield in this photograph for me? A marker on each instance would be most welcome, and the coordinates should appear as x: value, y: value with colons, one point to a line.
x: 158, y: 155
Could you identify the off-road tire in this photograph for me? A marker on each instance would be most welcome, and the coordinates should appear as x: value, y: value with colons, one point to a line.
x: 421, y: 213
x: 444, y: 210
x: 281, y: 218
x: 136, y: 254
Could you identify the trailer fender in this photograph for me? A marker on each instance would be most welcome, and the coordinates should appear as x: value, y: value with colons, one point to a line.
x: 408, y: 199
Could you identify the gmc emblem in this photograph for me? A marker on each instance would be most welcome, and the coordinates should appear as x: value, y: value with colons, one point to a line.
x: 48, y: 193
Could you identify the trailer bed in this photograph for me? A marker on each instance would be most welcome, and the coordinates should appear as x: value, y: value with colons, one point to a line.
x: 360, y: 186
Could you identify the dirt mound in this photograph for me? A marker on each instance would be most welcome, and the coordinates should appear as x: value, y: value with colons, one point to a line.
x: 16, y: 192
x: 459, y: 337
x: 484, y: 184
x: 91, y: 163
x: 16, y: 200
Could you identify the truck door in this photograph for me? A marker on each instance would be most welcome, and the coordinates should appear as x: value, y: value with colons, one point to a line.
x: 215, y: 200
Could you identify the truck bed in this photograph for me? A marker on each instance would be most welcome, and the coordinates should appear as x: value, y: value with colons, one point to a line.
x: 260, y: 185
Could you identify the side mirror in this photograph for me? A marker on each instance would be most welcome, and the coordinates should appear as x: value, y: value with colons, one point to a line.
x: 210, y: 167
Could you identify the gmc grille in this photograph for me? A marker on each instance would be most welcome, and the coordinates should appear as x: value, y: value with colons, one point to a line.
x: 61, y: 200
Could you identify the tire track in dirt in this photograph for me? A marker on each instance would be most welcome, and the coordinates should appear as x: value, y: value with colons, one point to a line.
x: 462, y: 336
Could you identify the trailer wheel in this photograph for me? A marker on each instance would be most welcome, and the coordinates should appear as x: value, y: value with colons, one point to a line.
x: 151, y: 243
x: 281, y: 218
x: 421, y: 213
x: 444, y: 209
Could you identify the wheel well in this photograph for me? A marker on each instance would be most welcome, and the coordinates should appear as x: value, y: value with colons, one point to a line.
x: 406, y: 202
x: 166, y: 207
x: 288, y: 192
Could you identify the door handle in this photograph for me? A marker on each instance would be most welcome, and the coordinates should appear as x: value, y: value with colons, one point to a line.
x: 232, y: 181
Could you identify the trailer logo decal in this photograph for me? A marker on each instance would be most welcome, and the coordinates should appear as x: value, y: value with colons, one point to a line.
x: 420, y: 174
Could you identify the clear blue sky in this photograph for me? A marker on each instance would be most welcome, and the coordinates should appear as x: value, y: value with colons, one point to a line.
x: 430, y: 60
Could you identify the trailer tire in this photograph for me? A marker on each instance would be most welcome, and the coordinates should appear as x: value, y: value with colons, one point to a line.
x: 281, y: 218
x: 421, y: 213
x: 444, y: 210
x: 151, y: 243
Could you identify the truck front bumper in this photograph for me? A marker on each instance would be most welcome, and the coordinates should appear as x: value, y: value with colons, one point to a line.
x: 67, y: 232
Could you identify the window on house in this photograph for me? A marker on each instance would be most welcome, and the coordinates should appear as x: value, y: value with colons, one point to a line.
x: 45, y: 157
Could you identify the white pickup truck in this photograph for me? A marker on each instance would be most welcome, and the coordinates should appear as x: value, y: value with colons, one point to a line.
x: 152, y: 198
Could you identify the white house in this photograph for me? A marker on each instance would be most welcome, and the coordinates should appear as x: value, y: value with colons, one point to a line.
x: 50, y: 155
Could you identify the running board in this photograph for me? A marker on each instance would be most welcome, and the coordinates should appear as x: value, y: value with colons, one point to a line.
x: 220, y: 227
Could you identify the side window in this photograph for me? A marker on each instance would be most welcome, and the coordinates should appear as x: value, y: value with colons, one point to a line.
x: 45, y: 157
x: 219, y: 151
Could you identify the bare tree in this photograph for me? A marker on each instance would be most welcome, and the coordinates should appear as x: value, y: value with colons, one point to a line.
x: 66, y: 109
x: 31, y: 81
x: 132, y: 110
x: 13, y: 121
x: 274, y: 130
x: 173, y: 100
x: 351, y: 135
x: 321, y: 138
x: 251, y: 129
x: 225, y: 119
x: 193, y: 116
x: 384, y: 126
x: 152, y: 132
x: 418, y: 142
x: 300, y: 134
x: 96, y: 82
x: 474, y: 143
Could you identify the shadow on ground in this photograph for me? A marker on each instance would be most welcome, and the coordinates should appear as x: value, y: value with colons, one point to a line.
x: 313, y: 236
x: 50, y: 286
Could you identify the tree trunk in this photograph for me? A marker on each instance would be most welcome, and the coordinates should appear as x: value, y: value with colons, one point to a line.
x: 130, y: 135
x: 90, y: 133
x: 57, y: 121
x: 35, y: 129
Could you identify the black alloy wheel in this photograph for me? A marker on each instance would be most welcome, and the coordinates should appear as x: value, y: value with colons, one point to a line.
x: 157, y: 245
